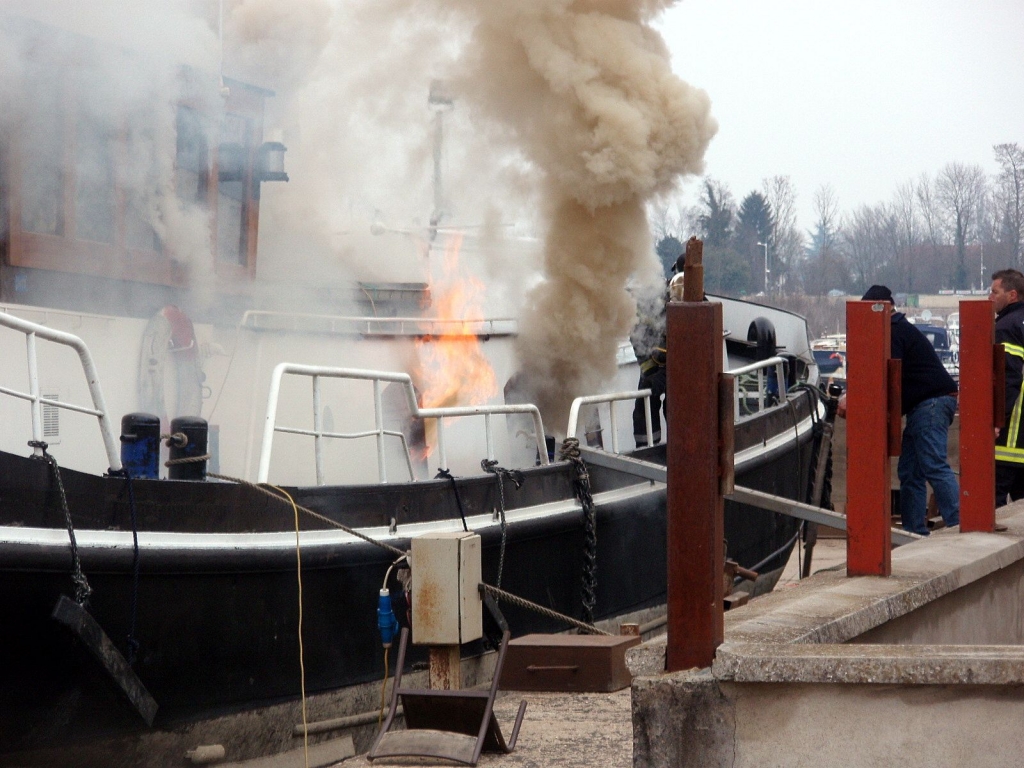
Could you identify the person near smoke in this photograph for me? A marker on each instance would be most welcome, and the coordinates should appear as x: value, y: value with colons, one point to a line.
x: 650, y: 346
x: 929, y: 399
x: 1007, y: 297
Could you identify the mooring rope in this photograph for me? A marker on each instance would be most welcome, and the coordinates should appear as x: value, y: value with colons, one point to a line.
x: 495, y: 591
x: 323, y: 518
x: 524, y: 603
x: 82, y: 588
x: 445, y: 474
x: 581, y: 486
x: 488, y: 465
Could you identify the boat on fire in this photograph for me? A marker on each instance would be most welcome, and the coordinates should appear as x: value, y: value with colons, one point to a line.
x: 134, y: 280
x: 194, y: 581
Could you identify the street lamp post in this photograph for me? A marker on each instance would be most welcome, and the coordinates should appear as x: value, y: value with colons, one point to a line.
x: 766, y: 271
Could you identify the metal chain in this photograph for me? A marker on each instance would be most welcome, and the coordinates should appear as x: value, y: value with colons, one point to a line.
x: 323, y: 518
x: 581, y: 485
x: 524, y: 603
x: 487, y: 465
x: 82, y: 588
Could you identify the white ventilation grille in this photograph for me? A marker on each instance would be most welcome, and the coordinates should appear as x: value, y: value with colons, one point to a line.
x: 51, y: 417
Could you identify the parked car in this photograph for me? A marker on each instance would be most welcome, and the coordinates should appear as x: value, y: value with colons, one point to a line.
x: 947, y: 350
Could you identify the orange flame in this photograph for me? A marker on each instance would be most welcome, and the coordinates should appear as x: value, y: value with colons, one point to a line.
x: 453, y: 369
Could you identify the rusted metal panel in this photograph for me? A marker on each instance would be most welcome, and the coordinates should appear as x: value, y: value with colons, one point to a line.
x: 868, y: 550
x: 726, y: 432
x: 895, y: 415
x: 568, y: 663
x: 696, y: 551
x: 445, y: 670
x: 693, y: 271
x: 446, y: 608
x: 980, y: 413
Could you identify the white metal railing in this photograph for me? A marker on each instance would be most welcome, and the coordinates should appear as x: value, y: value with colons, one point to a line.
x: 259, y: 319
x: 99, y: 409
x: 318, y: 434
x: 761, y: 369
x: 574, y: 412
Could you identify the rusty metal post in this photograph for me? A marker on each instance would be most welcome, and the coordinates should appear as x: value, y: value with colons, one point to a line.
x: 445, y: 668
x: 696, y: 537
x: 869, y: 411
x: 978, y: 356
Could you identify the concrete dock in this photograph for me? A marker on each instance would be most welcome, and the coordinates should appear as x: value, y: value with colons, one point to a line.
x: 923, y: 668
x: 589, y: 730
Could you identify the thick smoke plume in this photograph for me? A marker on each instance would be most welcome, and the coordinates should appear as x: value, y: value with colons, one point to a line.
x: 586, y: 91
x: 566, y: 112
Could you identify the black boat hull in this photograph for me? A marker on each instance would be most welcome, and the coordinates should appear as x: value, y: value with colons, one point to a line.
x: 217, y: 611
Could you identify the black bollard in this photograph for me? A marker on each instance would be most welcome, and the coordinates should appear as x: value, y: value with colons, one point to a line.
x: 193, y: 446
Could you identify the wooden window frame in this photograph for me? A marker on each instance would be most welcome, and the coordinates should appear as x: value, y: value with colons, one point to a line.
x: 118, y: 260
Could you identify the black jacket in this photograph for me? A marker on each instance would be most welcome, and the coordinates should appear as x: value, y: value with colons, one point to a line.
x: 923, y: 376
x: 1010, y: 333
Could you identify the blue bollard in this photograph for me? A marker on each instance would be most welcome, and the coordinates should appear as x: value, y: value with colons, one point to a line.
x: 140, y: 445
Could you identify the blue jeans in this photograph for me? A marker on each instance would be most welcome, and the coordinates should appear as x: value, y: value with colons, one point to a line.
x: 923, y: 458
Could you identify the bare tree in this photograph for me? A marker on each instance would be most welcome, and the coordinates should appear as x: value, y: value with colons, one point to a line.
x: 662, y: 220
x: 825, y: 268
x: 959, y: 188
x: 866, y: 245
x: 671, y: 217
x: 905, y: 234
x: 787, y: 242
x: 1010, y: 199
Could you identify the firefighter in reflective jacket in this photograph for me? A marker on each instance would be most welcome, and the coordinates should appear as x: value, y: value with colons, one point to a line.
x: 1007, y: 294
x: 649, y: 345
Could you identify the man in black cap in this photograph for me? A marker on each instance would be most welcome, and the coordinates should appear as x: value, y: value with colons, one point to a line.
x: 928, y: 395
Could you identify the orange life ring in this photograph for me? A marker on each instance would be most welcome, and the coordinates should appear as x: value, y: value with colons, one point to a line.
x: 170, y: 354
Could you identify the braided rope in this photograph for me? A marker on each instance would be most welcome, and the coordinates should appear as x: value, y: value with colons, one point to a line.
x: 188, y: 460
x: 524, y: 603
x: 322, y: 518
x: 581, y: 486
x: 488, y: 465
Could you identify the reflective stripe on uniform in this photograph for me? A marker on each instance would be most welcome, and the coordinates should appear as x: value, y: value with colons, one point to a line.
x: 1010, y: 452
x: 1010, y: 455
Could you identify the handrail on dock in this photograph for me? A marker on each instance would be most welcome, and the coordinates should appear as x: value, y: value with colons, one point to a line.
x: 37, y: 401
x: 317, y: 372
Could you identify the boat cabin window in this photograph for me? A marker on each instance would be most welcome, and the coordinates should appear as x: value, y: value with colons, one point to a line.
x: 42, y: 165
x: 192, y: 158
x: 234, y: 182
x: 84, y: 161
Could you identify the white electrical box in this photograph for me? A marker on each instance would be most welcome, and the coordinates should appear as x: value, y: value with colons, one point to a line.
x: 446, y: 604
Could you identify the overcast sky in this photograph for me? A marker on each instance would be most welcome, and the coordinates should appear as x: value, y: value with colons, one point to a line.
x: 860, y: 95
